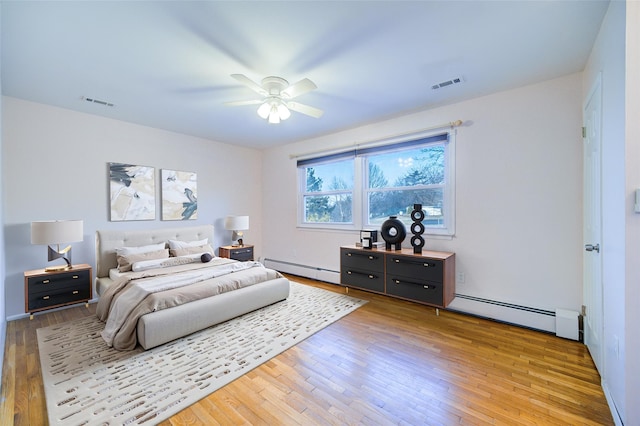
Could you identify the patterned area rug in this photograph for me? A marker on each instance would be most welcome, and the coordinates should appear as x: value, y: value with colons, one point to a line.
x: 88, y: 383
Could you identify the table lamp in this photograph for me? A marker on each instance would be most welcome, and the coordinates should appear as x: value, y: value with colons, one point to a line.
x: 237, y: 224
x: 57, y: 232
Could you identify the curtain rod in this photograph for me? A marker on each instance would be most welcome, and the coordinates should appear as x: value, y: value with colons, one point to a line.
x: 450, y: 124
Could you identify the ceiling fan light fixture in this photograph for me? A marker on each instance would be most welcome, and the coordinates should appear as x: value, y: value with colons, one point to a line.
x: 264, y: 110
x: 283, y: 112
x: 274, y: 116
x: 277, y: 93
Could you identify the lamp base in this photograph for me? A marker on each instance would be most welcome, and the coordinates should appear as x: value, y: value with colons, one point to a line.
x: 58, y: 268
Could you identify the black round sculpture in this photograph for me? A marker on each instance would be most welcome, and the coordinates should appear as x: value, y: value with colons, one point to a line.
x: 417, y: 228
x: 393, y: 232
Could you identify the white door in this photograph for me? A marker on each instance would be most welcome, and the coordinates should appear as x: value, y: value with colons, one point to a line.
x: 593, y: 295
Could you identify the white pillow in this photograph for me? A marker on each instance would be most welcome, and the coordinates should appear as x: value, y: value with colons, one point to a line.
x: 125, y: 251
x: 145, y: 265
x: 175, y: 244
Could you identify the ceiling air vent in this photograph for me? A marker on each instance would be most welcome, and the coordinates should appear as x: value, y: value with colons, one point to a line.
x: 447, y: 83
x: 97, y: 101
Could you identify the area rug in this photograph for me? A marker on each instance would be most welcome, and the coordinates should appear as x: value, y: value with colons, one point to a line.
x: 88, y: 383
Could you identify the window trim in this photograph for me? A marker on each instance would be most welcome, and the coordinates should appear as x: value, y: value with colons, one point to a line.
x: 360, y: 193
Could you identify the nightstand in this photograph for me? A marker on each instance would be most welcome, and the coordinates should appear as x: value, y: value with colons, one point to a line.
x: 46, y: 290
x: 243, y: 253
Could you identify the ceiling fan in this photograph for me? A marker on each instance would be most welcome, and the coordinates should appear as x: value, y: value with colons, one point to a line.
x: 277, y: 94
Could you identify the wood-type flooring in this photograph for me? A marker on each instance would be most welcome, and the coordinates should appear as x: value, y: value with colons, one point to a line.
x: 389, y: 362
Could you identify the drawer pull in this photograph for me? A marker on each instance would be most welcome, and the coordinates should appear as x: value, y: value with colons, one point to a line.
x: 75, y: 277
x: 75, y: 292
x: 46, y: 281
x: 427, y: 287
x: 370, y: 276
x: 425, y: 264
x: 45, y: 298
x: 368, y: 256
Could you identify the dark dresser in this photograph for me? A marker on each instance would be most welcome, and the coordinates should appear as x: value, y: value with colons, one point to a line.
x: 427, y: 278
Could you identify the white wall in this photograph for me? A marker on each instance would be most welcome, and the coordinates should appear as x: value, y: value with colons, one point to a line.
x: 519, y: 198
x: 632, y: 219
x: 55, y: 167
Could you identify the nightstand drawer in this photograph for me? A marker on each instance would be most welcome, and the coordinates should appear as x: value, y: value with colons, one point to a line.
x: 241, y: 253
x: 59, y: 296
x: 66, y: 280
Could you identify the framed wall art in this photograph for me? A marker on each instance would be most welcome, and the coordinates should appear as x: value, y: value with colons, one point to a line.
x: 179, y: 195
x: 132, y: 192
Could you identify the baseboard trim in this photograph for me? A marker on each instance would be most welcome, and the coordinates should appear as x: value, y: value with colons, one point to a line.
x: 612, y: 405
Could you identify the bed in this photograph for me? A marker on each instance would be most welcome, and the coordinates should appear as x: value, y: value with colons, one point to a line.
x: 164, y: 325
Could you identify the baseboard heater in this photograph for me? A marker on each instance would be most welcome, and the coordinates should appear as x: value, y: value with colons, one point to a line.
x: 313, y: 272
x: 508, y: 305
x: 568, y: 324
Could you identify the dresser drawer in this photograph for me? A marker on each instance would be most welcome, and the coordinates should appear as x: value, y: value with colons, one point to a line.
x: 422, y: 291
x: 367, y: 280
x: 59, y: 296
x: 59, y: 281
x: 415, y: 267
x: 362, y: 259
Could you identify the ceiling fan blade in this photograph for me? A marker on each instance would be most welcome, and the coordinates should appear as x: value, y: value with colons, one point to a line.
x: 299, y: 88
x: 240, y: 103
x: 250, y: 84
x: 305, y: 109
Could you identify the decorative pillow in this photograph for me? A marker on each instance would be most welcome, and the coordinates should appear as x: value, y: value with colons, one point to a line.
x: 206, y: 257
x: 206, y: 248
x: 124, y: 251
x: 175, y: 244
x: 145, y: 265
x: 125, y: 263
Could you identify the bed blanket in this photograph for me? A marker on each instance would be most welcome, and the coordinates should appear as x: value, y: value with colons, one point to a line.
x: 134, y: 295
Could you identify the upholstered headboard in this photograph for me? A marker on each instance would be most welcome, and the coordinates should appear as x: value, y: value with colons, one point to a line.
x: 108, y: 241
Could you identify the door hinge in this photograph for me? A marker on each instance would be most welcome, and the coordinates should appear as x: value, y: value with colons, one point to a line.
x: 584, y: 132
x: 584, y: 310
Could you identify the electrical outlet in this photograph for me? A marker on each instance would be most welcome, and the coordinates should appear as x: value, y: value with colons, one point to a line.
x: 460, y: 277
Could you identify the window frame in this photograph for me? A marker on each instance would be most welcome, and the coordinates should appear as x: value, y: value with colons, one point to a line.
x: 360, y: 191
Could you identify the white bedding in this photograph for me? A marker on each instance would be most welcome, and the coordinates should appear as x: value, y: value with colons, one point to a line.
x: 139, y: 293
x: 119, y: 303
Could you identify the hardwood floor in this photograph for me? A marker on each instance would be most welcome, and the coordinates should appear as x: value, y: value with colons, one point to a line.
x: 389, y: 362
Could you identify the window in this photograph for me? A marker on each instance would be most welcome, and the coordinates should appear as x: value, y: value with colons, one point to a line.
x: 361, y: 188
x: 328, y: 193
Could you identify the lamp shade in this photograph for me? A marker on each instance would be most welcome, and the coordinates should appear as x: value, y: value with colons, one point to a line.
x: 56, y: 231
x: 236, y: 223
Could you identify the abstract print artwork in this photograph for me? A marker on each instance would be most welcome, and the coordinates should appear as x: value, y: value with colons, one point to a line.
x: 179, y: 195
x: 132, y: 192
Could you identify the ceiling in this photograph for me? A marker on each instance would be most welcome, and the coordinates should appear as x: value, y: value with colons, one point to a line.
x: 167, y: 64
